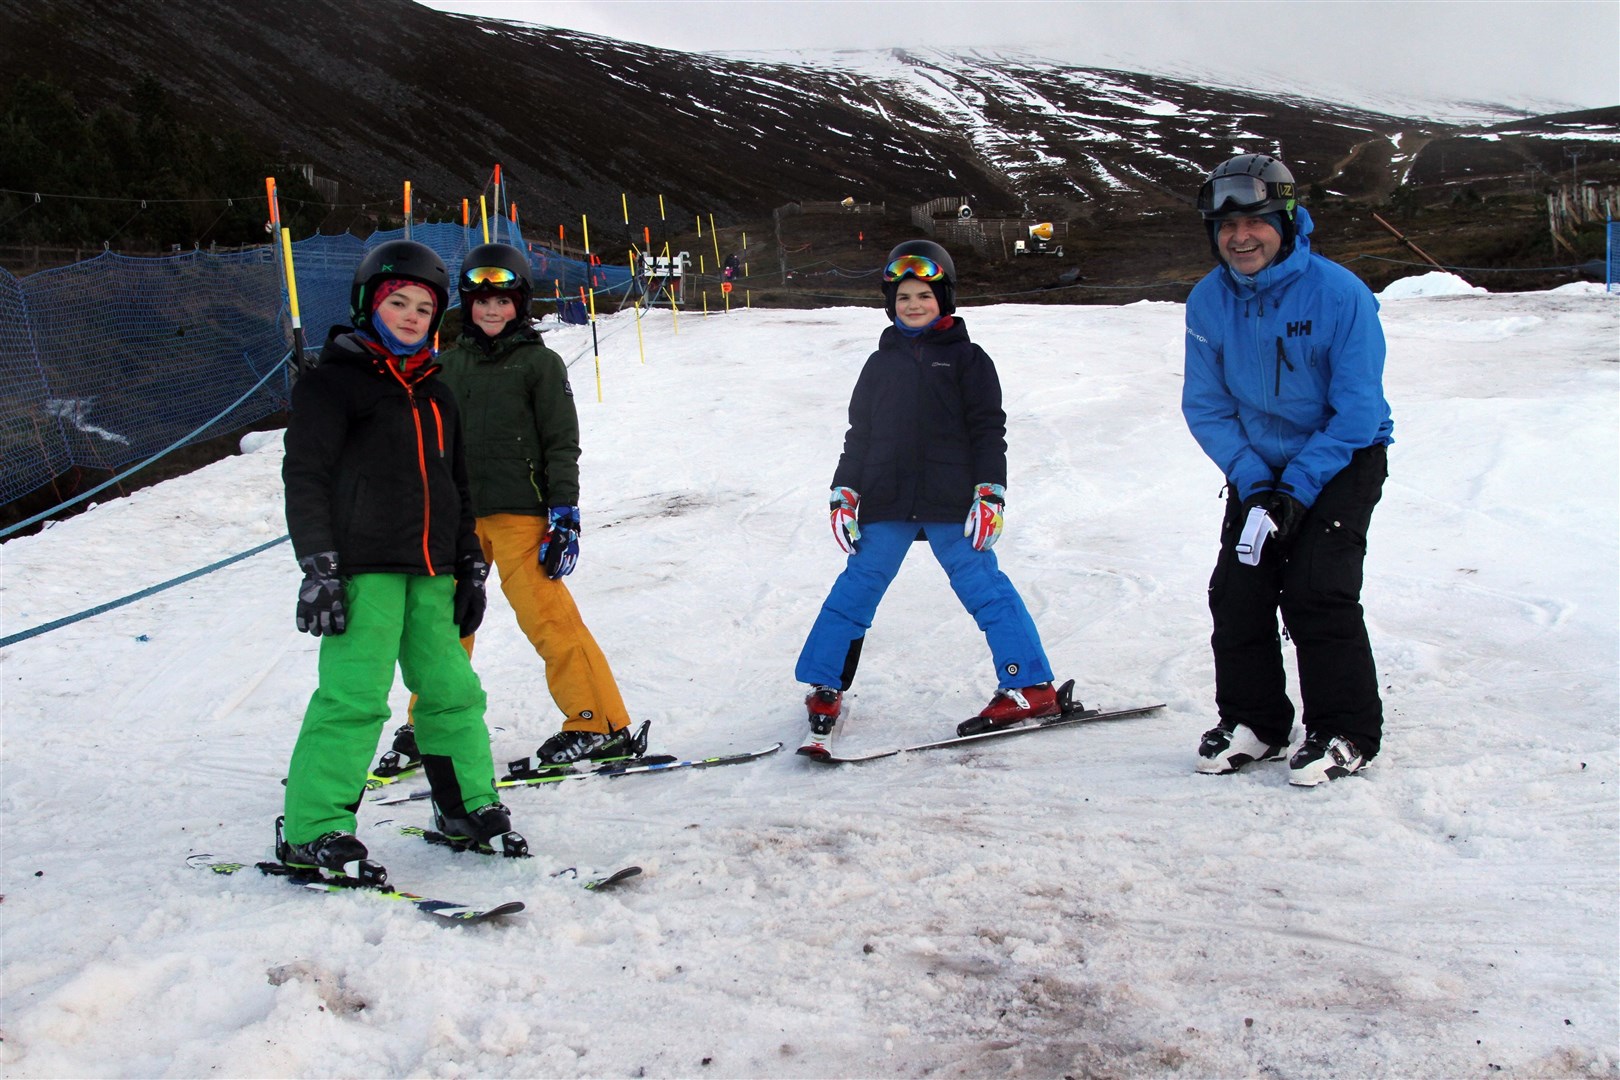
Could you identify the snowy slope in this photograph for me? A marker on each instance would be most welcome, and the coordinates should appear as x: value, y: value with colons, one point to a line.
x: 1077, y: 904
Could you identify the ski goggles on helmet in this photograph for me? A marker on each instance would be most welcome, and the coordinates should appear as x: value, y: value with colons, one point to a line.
x: 490, y: 277
x: 1241, y: 194
x: 918, y: 266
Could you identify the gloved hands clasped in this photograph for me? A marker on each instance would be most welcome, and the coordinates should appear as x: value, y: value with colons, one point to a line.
x: 843, y: 504
x: 1285, y: 511
x: 984, y: 517
x: 559, y: 551
x: 468, y: 609
x: 320, y: 595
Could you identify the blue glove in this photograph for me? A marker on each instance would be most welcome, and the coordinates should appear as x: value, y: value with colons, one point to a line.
x: 842, y: 504
x: 320, y: 596
x: 983, y: 525
x: 559, y: 551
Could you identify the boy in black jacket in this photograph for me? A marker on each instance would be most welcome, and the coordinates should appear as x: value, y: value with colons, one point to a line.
x: 926, y: 445
x: 382, y: 527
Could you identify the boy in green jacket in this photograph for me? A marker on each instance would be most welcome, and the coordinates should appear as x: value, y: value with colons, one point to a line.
x: 522, y: 435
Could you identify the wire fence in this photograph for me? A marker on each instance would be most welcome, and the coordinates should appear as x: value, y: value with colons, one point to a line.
x: 107, y: 361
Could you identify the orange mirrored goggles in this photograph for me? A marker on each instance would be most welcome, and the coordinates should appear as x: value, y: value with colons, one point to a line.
x: 917, y: 266
x: 490, y: 277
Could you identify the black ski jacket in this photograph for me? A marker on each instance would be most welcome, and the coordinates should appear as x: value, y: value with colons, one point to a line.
x: 925, y: 426
x: 374, y: 468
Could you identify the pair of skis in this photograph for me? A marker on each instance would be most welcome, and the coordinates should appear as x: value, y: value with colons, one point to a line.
x: 821, y: 747
x: 371, y: 879
x: 627, y: 766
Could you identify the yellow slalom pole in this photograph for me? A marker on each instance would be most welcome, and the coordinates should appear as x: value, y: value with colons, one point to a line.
x: 641, y: 345
x: 716, y: 238
x: 630, y: 245
x: 483, y: 216
x: 592, y: 307
x: 705, y: 303
x: 292, y: 300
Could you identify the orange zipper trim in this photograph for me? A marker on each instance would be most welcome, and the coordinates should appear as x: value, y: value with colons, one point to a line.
x: 421, y: 463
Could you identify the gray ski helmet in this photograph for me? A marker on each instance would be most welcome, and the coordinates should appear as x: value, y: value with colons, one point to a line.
x: 399, y: 259
x: 925, y: 252
x: 1249, y: 185
x: 497, y: 268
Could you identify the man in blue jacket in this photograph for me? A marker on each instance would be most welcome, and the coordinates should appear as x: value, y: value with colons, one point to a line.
x: 1284, y: 392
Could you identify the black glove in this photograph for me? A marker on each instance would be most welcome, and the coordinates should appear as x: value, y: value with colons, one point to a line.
x: 470, y: 600
x: 1286, y: 512
x: 320, y: 596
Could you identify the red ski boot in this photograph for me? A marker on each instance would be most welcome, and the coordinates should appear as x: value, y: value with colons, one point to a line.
x: 825, y: 705
x: 1014, y: 706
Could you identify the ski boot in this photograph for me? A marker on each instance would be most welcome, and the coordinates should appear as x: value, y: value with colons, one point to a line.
x: 403, y: 757
x: 1226, y: 749
x: 334, y: 856
x: 824, y: 705
x: 478, y: 829
x: 571, y: 744
x: 1323, y: 757
x: 1013, y: 706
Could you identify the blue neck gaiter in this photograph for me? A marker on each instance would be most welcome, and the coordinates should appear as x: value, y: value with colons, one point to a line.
x: 379, y: 333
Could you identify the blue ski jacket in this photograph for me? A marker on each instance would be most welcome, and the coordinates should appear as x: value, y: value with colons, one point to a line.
x: 1285, y: 371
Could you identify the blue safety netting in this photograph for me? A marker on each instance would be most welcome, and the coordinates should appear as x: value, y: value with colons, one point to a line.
x: 1611, y: 273
x: 108, y: 361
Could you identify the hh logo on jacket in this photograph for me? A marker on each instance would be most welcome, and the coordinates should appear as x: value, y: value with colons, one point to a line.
x: 1300, y: 329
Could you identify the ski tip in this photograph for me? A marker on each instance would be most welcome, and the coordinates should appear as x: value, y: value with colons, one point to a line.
x: 598, y: 884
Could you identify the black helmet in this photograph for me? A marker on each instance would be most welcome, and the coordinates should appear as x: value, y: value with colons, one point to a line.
x: 496, y: 268
x: 399, y: 259
x: 925, y: 261
x: 1250, y: 185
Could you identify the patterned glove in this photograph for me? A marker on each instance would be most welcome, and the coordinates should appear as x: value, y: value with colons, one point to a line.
x: 559, y: 551
x: 321, y: 597
x: 468, y: 609
x: 984, y: 517
x: 843, y: 504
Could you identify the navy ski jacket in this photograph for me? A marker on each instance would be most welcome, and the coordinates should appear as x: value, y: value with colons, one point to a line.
x: 925, y: 426
x: 1285, y: 371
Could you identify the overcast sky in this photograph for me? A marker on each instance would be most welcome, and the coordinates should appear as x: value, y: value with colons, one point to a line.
x: 1518, y: 51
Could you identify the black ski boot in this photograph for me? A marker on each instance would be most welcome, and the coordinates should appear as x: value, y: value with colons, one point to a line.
x: 571, y: 745
x: 478, y: 830
x: 337, y: 853
x: 403, y: 757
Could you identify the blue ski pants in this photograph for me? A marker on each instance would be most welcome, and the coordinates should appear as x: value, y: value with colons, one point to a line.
x: 830, y: 653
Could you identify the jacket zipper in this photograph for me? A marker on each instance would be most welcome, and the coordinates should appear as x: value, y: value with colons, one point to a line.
x: 421, y: 465
x: 1282, y: 358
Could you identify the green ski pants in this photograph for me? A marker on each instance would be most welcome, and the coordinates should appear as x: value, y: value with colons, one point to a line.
x: 392, y: 618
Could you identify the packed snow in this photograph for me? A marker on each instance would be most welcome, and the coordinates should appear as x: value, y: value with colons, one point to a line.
x: 1077, y: 902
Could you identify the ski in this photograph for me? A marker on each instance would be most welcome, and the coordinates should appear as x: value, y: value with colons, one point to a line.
x: 373, y: 882
x: 595, y: 884
x: 1075, y: 714
x: 381, y: 776
x: 627, y: 767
